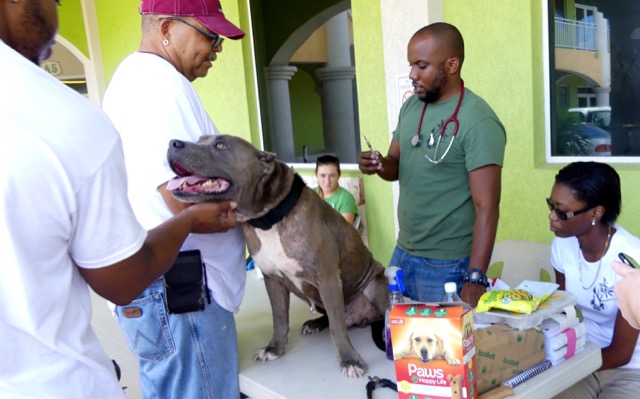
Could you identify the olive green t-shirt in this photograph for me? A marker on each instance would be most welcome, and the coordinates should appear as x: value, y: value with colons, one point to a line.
x: 435, y: 210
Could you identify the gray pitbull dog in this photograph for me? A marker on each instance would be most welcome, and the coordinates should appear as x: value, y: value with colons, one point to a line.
x: 301, y: 245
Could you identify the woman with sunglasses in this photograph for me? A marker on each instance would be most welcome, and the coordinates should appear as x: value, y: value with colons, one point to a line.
x: 328, y: 172
x: 584, y: 205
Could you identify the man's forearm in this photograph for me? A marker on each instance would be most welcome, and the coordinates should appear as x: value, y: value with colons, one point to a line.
x: 390, y: 168
x: 484, y: 235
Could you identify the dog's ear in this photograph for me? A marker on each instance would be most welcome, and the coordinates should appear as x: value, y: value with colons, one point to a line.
x: 266, y: 156
x: 439, y: 344
x: 411, y: 342
x: 401, y: 351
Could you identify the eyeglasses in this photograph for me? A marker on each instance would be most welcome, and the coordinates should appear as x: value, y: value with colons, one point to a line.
x: 327, y: 159
x: 562, y: 215
x: 217, y: 39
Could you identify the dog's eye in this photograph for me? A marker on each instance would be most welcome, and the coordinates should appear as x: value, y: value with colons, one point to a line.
x: 430, y: 340
x: 219, y: 145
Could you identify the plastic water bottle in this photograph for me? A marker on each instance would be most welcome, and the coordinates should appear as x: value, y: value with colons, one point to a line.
x: 451, y: 292
x: 396, y: 283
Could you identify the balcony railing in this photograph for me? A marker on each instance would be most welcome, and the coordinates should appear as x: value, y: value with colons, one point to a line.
x: 577, y: 35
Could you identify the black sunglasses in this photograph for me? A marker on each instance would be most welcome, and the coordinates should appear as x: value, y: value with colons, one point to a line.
x: 562, y: 215
x: 217, y: 39
x: 325, y: 159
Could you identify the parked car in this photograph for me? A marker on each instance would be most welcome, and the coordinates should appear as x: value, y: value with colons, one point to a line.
x: 599, y: 116
x: 599, y: 139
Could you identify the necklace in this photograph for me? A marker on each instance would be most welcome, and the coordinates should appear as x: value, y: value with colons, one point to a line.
x: 606, y: 246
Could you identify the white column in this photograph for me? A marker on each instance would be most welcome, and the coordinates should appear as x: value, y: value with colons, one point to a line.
x: 338, y: 111
x: 279, y: 108
x: 602, y: 98
x: 337, y: 91
x: 338, y: 51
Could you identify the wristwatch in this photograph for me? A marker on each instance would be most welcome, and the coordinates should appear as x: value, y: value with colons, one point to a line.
x: 476, y: 276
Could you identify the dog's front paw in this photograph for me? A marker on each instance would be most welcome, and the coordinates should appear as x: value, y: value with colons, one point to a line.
x: 268, y: 353
x: 314, y: 326
x: 353, y: 369
x: 453, y: 362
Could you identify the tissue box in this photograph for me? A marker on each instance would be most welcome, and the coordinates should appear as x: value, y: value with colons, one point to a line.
x: 504, y: 352
x: 434, y: 351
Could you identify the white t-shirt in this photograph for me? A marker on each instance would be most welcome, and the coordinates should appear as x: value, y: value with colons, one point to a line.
x: 64, y: 204
x: 151, y: 103
x: 597, y: 301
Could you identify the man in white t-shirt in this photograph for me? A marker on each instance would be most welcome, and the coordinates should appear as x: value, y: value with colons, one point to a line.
x: 151, y: 101
x: 65, y: 222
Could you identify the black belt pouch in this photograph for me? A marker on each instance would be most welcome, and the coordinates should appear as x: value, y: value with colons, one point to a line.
x: 185, y: 284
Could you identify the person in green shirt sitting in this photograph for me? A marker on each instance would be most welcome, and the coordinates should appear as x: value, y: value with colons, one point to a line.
x: 328, y: 173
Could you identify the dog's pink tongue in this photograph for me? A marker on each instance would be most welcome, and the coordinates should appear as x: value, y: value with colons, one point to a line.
x: 175, y: 183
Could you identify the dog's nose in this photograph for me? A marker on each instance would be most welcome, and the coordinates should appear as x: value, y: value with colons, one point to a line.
x: 176, y: 144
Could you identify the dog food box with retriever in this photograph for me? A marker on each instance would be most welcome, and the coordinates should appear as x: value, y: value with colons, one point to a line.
x: 433, y: 351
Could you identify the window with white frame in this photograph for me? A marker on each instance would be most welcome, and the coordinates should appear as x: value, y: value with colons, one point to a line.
x: 592, y: 78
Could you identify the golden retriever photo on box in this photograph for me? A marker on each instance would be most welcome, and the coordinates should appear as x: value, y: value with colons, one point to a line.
x: 426, y: 343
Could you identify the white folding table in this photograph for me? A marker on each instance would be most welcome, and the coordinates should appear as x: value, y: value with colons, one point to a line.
x: 309, y: 369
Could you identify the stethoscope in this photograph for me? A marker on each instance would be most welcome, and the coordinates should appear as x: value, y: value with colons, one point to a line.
x: 417, y: 140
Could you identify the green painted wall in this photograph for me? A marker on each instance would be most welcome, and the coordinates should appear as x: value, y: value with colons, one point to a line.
x: 367, y: 36
x: 306, y: 113
x: 119, y: 27
x: 71, y: 25
x: 503, y: 65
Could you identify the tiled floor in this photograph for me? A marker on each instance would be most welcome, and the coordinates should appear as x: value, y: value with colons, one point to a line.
x: 113, y: 342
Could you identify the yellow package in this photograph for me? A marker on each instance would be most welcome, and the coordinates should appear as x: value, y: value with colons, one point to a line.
x: 515, y: 300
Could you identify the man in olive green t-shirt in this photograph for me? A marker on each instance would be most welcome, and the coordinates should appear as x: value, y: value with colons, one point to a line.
x: 447, y: 154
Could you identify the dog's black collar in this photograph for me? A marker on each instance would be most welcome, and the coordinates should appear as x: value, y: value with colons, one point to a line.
x: 278, y: 213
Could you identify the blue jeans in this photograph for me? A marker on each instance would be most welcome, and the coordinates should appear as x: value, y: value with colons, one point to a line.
x: 425, y: 277
x: 188, y: 355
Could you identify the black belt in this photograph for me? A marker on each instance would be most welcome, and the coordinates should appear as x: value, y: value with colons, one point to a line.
x: 374, y: 382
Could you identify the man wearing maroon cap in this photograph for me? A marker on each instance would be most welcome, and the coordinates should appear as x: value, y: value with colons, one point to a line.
x: 66, y: 223
x: 188, y: 353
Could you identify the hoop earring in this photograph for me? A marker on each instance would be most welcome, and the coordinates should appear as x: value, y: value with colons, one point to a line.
x: 593, y: 222
x: 165, y: 42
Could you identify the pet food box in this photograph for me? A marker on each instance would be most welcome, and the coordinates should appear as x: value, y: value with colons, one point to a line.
x: 433, y: 351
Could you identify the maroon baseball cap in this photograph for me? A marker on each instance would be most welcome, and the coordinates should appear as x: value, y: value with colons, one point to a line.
x: 207, y: 12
